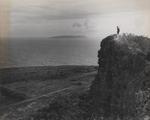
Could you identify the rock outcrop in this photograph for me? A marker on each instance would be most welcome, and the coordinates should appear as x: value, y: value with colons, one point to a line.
x: 124, y: 71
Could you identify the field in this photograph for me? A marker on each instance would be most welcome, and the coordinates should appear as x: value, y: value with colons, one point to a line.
x: 23, y: 87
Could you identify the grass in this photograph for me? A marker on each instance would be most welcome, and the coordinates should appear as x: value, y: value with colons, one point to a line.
x: 35, y: 81
x: 61, y: 108
x: 80, y: 77
x: 135, y: 43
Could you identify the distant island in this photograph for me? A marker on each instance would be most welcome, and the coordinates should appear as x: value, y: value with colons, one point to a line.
x: 69, y: 36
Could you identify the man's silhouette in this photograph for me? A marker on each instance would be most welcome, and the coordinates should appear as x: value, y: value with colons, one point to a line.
x: 118, y: 30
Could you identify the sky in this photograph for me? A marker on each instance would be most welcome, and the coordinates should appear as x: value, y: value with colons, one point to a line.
x: 92, y: 18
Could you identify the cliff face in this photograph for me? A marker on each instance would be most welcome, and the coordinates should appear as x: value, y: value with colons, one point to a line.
x: 124, y: 71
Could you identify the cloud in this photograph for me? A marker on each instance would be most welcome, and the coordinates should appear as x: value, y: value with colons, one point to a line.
x: 76, y: 25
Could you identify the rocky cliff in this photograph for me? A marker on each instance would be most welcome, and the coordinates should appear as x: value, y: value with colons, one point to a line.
x: 123, y: 77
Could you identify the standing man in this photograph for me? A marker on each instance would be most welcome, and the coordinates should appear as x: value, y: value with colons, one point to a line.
x: 118, y: 30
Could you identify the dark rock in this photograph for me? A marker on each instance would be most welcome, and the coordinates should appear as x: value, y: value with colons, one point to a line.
x: 124, y: 69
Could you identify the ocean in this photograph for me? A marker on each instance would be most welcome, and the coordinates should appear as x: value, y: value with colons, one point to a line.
x: 52, y: 51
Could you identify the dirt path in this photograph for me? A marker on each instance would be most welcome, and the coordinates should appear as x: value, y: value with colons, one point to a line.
x: 23, y: 108
x: 54, y: 92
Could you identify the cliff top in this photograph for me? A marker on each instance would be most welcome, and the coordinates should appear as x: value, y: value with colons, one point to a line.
x: 129, y: 43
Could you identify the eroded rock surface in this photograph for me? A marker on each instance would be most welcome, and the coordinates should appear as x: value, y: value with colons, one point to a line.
x: 124, y: 71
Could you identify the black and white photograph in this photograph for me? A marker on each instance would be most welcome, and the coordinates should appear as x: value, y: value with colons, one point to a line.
x: 74, y: 59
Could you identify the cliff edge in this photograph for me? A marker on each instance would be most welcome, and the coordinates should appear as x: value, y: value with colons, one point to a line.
x: 121, y: 87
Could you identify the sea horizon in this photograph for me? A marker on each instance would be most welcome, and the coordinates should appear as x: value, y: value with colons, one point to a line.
x: 52, y: 51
